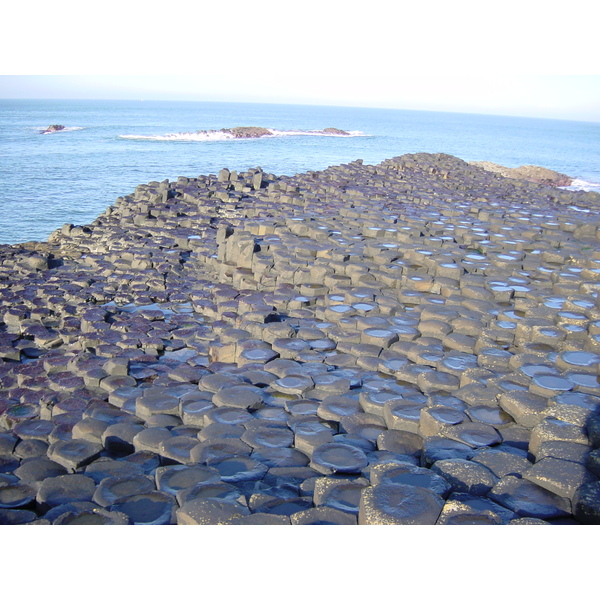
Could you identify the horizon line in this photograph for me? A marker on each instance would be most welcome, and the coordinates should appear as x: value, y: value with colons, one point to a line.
x: 283, y: 103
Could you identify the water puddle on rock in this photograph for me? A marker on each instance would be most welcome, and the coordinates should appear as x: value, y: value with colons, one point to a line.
x: 580, y: 359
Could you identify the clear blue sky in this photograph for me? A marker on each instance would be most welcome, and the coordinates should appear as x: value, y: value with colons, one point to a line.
x: 517, y: 58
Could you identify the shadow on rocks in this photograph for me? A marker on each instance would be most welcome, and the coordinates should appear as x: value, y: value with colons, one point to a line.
x: 586, y: 501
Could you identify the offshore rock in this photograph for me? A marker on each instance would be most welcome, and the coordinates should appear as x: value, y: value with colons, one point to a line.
x: 335, y: 131
x: 248, y: 132
x: 53, y: 128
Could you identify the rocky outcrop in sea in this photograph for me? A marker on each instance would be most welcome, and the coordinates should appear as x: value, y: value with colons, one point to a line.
x: 53, y: 129
x: 413, y: 342
x: 259, y: 132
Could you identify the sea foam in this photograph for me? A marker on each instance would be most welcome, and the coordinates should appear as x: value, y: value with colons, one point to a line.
x: 219, y: 136
x: 581, y: 184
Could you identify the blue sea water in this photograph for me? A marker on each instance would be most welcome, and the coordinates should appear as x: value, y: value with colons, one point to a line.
x: 110, y: 147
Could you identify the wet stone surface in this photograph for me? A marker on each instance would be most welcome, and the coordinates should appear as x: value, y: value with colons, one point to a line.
x: 413, y: 342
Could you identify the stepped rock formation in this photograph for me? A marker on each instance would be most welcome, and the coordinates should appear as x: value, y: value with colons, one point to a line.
x: 413, y: 342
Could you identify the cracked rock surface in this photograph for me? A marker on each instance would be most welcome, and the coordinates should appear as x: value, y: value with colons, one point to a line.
x: 413, y: 342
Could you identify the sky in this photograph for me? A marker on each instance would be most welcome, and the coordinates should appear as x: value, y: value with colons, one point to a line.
x: 525, y: 57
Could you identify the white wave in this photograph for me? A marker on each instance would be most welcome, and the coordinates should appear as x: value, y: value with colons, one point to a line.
x: 219, y: 136
x: 581, y: 184
x: 198, y: 136
x: 282, y: 133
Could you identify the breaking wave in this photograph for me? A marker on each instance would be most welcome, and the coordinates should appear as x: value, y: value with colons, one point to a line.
x: 218, y: 136
x: 586, y: 186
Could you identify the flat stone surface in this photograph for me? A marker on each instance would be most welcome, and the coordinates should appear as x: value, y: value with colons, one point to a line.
x: 74, y: 454
x: 268, y: 437
x: 149, y: 508
x: 210, y: 511
x: 323, y: 515
x: 333, y: 408
x: 407, y: 474
x: 118, y: 438
x: 437, y: 448
x: 207, y: 490
x: 173, y: 478
x: 55, y: 491
x: 279, y: 506
x: 263, y: 519
x: 466, y: 476
x: 465, y: 509
x: 112, y: 489
x: 35, y: 470
x: 176, y: 449
x: 280, y: 457
x: 107, y: 467
x: 404, y: 415
x: 210, y: 451
x: 17, y: 495
x: 10, y: 516
x: 528, y: 499
x: 501, y: 462
x: 293, y: 384
x: 150, y: 438
x: 562, y: 477
x: 339, y: 494
x: 238, y: 397
x: 338, y: 458
x: 396, y: 504
x: 239, y: 468
x: 556, y: 430
x: 96, y: 516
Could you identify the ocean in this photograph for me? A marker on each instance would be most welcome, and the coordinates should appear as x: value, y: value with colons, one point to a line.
x: 109, y: 147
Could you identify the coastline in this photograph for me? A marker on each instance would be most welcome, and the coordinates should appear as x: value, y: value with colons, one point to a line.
x: 296, y: 340
x: 82, y: 171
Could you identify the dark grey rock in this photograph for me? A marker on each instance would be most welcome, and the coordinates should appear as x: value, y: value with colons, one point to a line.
x: 562, y: 477
x: 397, y: 504
x: 149, y: 508
x: 74, y: 454
x: 527, y: 499
x: 112, y: 489
x: 55, y: 491
x: 210, y: 511
x: 465, y: 509
x: 466, y: 476
x: 586, y: 503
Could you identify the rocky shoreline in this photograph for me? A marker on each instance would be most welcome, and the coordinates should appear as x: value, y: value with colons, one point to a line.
x: 414, y: 342
x: 531, y: 173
